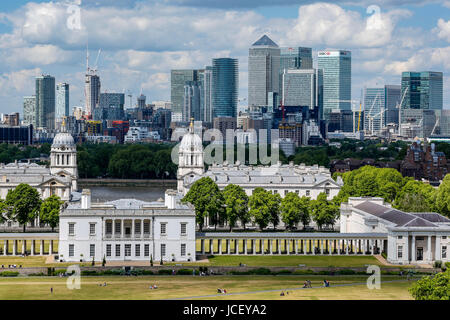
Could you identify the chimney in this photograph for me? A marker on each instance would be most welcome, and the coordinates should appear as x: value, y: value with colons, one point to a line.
x: 170, y: 199
x: 86, y: 199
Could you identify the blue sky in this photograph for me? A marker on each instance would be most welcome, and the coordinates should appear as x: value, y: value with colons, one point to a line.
x: 141, y: 40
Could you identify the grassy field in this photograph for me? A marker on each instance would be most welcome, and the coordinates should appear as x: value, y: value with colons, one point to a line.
x: 36, y: 261
x: 290, y: 261
x: 188, y: 287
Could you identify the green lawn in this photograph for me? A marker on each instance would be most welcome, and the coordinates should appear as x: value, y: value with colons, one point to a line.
x: 36, y: 261
x: 290, y: 261
x: 171, y: 287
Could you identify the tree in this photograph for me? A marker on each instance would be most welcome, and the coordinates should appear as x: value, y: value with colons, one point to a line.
x: 305, y: 212
x: 236, y: 205
x: 416, y: 196
x: 290, y: 209
x: 435, y: 287
x: 3, y: 210
x: 274, y: 208
x: 324, y: 212
x: 259, y: 207
x: 49, y: 212
x: 23, y: 204
x: 443, y: 197
x: 207, y: 199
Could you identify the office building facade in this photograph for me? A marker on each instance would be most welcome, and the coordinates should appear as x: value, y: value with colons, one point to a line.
x: 263, y: 71
x: 425, y: 90
x: 178, y: 79
x: 62, y: 102
x: 193, y: 101
x: 225, y: 87
x: 337, y: 80
x: 92, y: 91
x: 29, y: 110
x: 302, y: 87
x: 45, y: 102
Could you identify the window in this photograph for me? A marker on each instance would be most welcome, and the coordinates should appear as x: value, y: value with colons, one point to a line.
x: 137, y: 227
x: 327, y: 192
x: 117, y: 227
x: 444, y: 252
x: 308, y: 193
x: 163, y: 228
x: 108, y: 250
x: 285, y: 192
x: 137, y: 250
x: 183, y: 229
x: 420, y: 238
x: 117, y: 250
x: 444, y: 237
x: 128, y: 250
x: 297, y: 191
x: 109, y: 227
x: 92, y: 229
x: 183, y: 249
x: 400, y: 252
x: 400, y: 237
x: 163, y: 249
x: 92, y: 250
x: 71, y: 250
x: 275, y: 191
x: 146, y: 250
x: 147, y: 227
x: 71, y: 229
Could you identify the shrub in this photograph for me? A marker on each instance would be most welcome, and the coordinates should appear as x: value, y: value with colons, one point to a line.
x: 40, y: 274
x: 89, y: 273
x: 437, y: 264
x: 184, y: 272
x: 281, y: 272
x: 147, y: 272
x: 165, y: 272
x: 346, y: 272
x: 9, y: 274
x: 261, y: 271
x: 303, y: 272
x: 113, y: 272
x: 59, y: 271
x: 137, y: 272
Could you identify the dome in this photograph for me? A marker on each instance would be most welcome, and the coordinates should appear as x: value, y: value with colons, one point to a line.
x: 63, y: 139
x: 191, y: 142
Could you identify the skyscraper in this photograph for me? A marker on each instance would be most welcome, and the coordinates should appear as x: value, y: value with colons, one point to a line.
x: 62, y: 102
x: 141, y: 101
x: 207, y: 92
x: 178, y: 79
x: 425, y: 90
x: 92, y: 91
x: 301, y: 87
x: 392, y: 99
x: 263, y: 71
x: 295, y: 58
x: 45, y: 102
x: 29, y: 110
x: 193, y: 101
x: 337, y: 80
x: 374, y: 110
x: 225, y: 87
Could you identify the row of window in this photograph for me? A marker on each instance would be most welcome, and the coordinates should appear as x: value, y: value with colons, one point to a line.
x: 127, y: 250
x: 137, y: 230
x: 308, y: 192
x: 421, y: 238
x: 400, y: 252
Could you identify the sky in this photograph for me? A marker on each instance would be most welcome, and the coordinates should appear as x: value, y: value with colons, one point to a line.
x: 141, y: 41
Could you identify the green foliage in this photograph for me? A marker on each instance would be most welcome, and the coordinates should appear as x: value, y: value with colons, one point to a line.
x: 23, y: 204
x: 207, y: 199
x: 324, y: 212
x: 416, y: 196
x: 259, y: 207
x: 143, y: 161
x: 236, y: 205
x: 443, y: 197
x: 9, y: 274
x: 436, y: 287
x: 291, y: 209
x: 49, y: 211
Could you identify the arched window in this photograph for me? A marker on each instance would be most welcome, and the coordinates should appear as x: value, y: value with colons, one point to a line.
x: 57, y: 159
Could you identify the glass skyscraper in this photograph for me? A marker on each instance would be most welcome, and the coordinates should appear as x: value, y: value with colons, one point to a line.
x: 301, y: 87
x: 178, y: 79
x: 45, y: 102
x: 337, y: 80
x: 225, y: 76
x: 263, y: 71
x: 425, y: 90
x: 294, y: 58
x: 62, y: 102
x: 29, y: 110
x: 374, y: 110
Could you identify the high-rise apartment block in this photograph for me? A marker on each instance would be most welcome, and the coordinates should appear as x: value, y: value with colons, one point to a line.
x: 45, y: 102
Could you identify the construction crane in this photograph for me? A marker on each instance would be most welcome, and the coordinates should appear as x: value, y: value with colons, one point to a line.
x: 399, y: 106
x: 371, y: 117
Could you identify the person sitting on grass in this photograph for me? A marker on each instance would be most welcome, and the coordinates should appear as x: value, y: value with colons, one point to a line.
x: 282, y: 294
x: 309, y: 283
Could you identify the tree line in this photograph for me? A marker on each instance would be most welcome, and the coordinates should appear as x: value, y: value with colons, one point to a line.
x: 263, y: 207
x: 137, y: 161
x: 23, y: 205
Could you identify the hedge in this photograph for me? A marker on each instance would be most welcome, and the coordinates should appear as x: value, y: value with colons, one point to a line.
x: 9, y: 274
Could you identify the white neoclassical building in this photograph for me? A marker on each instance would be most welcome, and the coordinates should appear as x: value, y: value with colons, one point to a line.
x: 127, y: 230
x: 304, y: 180
x: 410, y: 237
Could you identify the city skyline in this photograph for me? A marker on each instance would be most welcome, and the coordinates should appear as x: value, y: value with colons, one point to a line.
x: 402, y: 38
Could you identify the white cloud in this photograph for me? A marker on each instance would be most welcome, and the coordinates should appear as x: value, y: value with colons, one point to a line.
x: 443, y: 29
x: 18, y: 81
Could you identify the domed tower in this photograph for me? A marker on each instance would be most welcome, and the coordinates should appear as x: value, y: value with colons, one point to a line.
x: 63, y: 156
x: 190, y: 157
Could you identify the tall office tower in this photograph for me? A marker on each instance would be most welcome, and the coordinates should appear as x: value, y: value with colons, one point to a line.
x: 178, y: 79
x: 301, y: 87
x: 392, y: 97
x: 294, y: 58
x: 425, y: 90
x: 374, y: 110
x: 92, y: 91
x: 263, y: 71
x: 225, y: 77
x: 337, y: 80
x: 207, y: 78
x: 45, y: 102
x: 110, y: 107
x: 29, y: 110
x: 62, y: 102
x: 193, y: 101
x: 141, y: 101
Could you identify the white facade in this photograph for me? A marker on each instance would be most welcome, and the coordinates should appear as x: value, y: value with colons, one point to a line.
x: 412, y: 238
x: 127, y: 230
